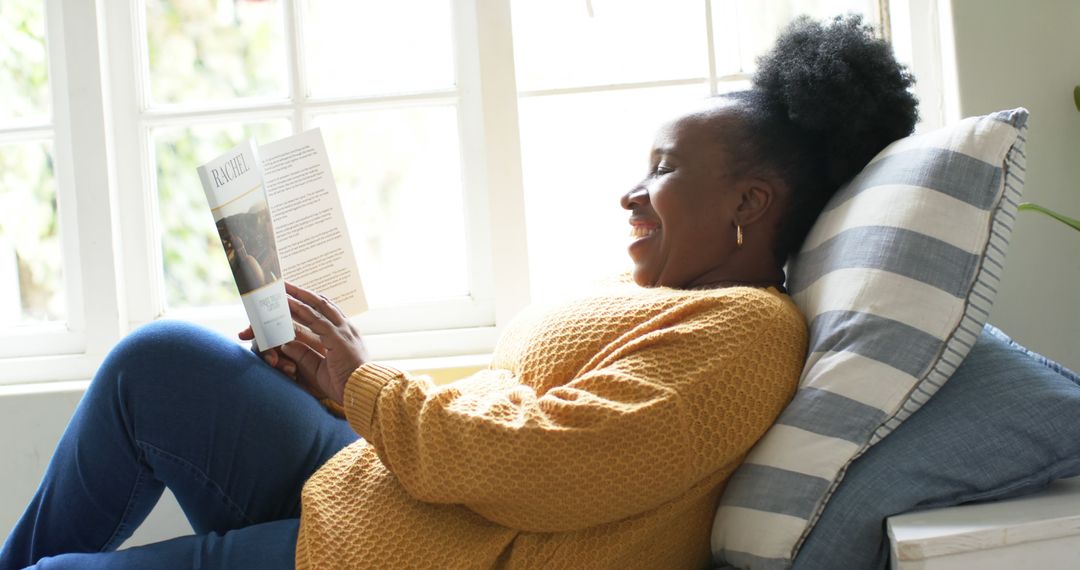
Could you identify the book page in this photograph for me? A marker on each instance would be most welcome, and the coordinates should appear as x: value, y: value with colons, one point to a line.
x: 309, y: 224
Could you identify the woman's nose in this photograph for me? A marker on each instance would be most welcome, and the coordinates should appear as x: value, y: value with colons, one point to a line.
x: 635, y: 197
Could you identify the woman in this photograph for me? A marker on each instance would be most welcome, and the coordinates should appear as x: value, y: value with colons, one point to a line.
x: 601, y: 436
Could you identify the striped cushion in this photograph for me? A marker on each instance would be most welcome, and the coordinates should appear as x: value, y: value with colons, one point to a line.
x: 896, y: 280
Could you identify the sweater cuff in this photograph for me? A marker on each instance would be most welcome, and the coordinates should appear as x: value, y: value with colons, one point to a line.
x: 362, y: 395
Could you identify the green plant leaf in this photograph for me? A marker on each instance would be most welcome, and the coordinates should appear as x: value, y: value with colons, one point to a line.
x: 1073, y: 223
x: 1076, y: 97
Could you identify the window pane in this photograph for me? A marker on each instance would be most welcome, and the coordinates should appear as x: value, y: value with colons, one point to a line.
x: 24, y: 69
x: 581, y: 153
x: 399, y: 175
x: 196, y: 271
x: 745, y: 29
x: 31, y: 279
x: 366, y: 48
x: 212, y: 50
x: 571, y: 43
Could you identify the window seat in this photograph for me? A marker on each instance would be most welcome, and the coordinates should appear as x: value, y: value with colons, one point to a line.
x: 1040, y: 530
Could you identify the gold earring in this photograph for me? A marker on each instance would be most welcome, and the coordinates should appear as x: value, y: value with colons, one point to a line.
x: 738, y: 235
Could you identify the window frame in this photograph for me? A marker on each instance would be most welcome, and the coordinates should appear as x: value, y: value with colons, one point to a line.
x: 99, y: 63
x: 109, y: 219
x: 141, y: 217
x: 61, y: 350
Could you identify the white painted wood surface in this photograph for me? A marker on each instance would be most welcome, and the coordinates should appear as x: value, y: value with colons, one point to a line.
x: 1038, y: 531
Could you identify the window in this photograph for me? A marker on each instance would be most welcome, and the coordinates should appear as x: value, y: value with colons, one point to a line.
x: 480, y: 148
x: 31, y: 271
x: 205, y: 74
x: 593, y: 95
x: 41, y: 277
x: 212, y: 72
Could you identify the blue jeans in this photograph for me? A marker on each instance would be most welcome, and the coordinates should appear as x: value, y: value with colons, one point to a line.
x: 179, y: 406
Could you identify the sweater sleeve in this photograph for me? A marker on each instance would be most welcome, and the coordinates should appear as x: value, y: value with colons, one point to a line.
x: 638, y: 429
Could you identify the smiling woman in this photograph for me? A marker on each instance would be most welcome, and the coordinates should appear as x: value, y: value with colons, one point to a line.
x: 692, y: 211
x: 734, y: 188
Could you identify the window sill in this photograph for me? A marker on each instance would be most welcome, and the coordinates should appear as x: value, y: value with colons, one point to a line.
x: 441, y: 369
x: 1040, y: 530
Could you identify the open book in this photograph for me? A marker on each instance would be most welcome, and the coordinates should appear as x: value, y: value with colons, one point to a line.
x: 279, y: 217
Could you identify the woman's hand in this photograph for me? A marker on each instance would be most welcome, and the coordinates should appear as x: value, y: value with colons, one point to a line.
x: 275, y: 358
x: 327, y: 349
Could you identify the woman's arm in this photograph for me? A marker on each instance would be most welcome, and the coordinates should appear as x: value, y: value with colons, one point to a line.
x: 634, y: 432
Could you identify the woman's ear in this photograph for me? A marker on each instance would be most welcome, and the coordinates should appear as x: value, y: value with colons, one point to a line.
x: 756, y: 197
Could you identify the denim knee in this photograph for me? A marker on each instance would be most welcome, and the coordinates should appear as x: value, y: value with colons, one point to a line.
x: 164, y: 339
x: 166, y: 352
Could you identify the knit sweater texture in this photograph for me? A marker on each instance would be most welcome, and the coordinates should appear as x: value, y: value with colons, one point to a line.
x: 601, y: 436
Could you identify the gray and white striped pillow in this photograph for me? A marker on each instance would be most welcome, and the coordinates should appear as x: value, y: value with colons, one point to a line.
x: 896, y: 279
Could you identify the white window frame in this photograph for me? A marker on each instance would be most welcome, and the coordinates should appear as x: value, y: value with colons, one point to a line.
x: 49, y: 351
x: 107, y: 196
x: 101, y: 50
x: 440, y: 327
x: 922, y: 38
x: 712, y: 79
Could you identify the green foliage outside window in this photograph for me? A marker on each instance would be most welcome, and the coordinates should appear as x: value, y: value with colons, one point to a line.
x: 196, y: 271
x: 204, y: 51
x: 31, y: 279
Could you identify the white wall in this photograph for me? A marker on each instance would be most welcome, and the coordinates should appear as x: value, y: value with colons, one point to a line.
x: 1013, y: 53
x: 31, y: 425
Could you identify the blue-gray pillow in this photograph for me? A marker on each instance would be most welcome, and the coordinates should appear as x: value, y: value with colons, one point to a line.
x: 1005, y: 424
x: 896, y: 280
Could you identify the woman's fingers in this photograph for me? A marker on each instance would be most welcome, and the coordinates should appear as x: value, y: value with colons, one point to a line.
x: 246, y: 334
x: 304, y: 334
x: 306, y: 358
x: 287, y: 367
x: 309, y: 317
x: 284, y: 364
x: 319, y: 303
x: 328, y: 348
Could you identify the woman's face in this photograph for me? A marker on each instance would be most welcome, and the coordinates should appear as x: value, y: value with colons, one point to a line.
x: 683, y: 213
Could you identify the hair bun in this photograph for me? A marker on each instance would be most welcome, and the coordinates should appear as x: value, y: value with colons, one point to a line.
x: 840, y: 84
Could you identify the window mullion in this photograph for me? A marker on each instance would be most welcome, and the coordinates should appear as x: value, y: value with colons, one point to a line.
x: 255, y: 110
x: 615, y: 87
x: 294, y: 51
x: 884, y: 20
x: 84, y: 192
x: 920, y: 33
x: 491, y: 143
x: 713, y: 86
x: 19, y: 133
x: 133, y: 176
x: 476, y: 205
x: 67, y: 205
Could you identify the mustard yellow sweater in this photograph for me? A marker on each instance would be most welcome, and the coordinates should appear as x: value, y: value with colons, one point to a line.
x: 601, y: 437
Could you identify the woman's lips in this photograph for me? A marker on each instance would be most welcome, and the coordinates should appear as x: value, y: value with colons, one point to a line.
x: 640, y: 232
x: 642, y: 227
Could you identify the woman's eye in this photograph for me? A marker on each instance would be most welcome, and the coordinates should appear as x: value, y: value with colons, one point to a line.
x: 661, y: 170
